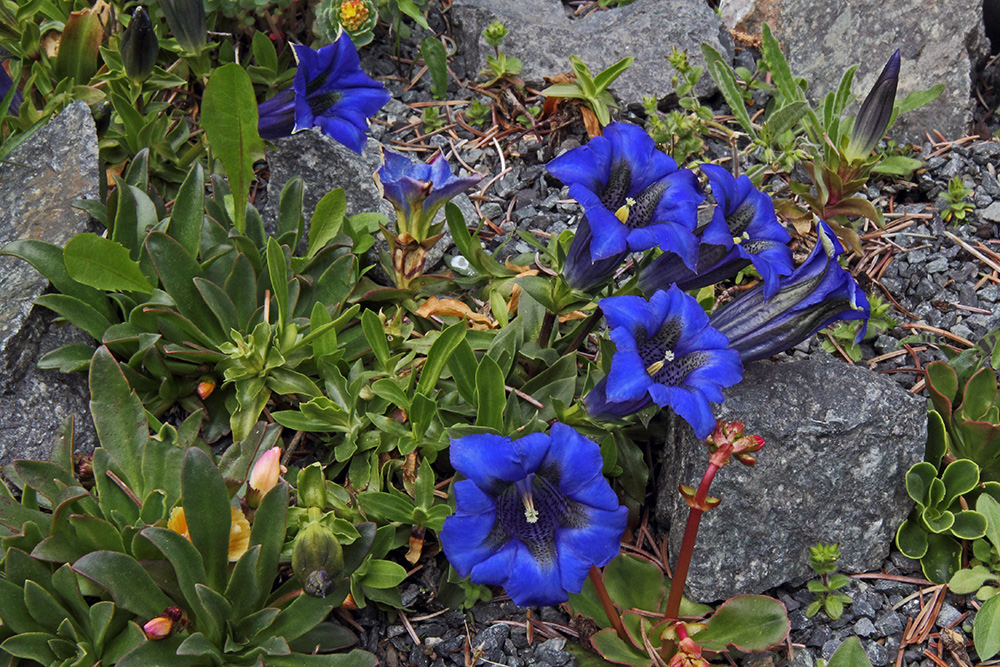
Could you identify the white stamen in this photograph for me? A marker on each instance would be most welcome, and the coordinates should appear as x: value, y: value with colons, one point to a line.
x: 530, y: 513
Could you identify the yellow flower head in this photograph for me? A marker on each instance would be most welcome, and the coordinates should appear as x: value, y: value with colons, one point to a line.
x: 353, y: 13
x: 239, y: 530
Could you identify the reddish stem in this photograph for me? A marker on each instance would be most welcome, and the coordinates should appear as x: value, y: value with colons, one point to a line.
x: 698, y: 508
x: 597, y: 579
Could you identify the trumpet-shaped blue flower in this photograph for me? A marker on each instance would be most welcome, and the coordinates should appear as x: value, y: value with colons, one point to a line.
x: 417, y: 189
x: 533, y: 514
x: 634, y: 195
x: 815, y: 295
x: 666, y: 353
x: 743, y: 230
x: 329, y: 92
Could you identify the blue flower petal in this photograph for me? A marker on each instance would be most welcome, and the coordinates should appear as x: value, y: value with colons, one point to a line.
x: 464, y: 534
x: 587, y: 165
x: 488, y: 459
x: 530, y: 584
x: 631, y: 313
x: 496, y: 570
x: 597, y: 544
x: 627, y: 378
x: 690, y: 404
x: 580, y: 467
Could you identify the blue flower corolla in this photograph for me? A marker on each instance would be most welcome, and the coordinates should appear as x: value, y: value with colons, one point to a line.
x: 417, y: 189
x: 815, y: 295
x: 743, y: 230
x: 329, y: 92
x: 580, y: 270
x: 666, y: 353
x: 633, y: 194
x: 532, y: 515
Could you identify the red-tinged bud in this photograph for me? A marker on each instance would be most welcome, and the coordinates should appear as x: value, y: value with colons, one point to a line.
x: 205, y: 388
x: 688, y: 651
x: 158, y: 628
x: 739, y: 444
x: 265, y: 475
x: 349, y: 603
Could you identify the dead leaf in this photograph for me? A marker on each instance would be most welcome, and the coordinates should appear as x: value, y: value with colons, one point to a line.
x: 590, y: 122
x: 454, y: 308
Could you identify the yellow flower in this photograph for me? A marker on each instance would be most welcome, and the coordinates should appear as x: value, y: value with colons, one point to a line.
x: 239, y: 530
x: 353, y: 13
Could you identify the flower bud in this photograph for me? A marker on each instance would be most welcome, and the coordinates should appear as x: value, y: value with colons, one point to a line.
x: 205, y: 387
x: 494, y: 33
x: 317, y: 558
x: 876, y: 112
x: 158, y: 628
x: 265, y: 475
x: 139, y: 46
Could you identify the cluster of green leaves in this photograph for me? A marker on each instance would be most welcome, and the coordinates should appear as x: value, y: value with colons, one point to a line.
x: 823, y: 560
x: 680, y: 132
x: 106, y: 538
x: 640, y: 589
x: 956, y: 204
x: 500, y: 66
x: 844, y: 334
x: 592, y: 90
x: 967, y: 427
x: 793, y: 132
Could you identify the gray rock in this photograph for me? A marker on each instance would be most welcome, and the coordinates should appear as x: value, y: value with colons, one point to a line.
x: 839, y: 440
x: 991, y: 212
x: 324, y: 165
x: 543, y: 37
x: 39, y: 181
x: 938, y: 42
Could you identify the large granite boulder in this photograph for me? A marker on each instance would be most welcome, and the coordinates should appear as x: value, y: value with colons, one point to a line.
x: 839, y: 440
x: 39, y: 181
x: 543, y: 35
x: 940, y: 42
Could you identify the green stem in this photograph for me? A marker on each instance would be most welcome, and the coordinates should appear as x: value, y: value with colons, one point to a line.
x: 546, y: 332
x: 698, y: 508
x: 597, y: 579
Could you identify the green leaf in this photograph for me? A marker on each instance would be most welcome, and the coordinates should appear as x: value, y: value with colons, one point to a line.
x: 436, y: 58
x: 356, y: 658
x: 969, y: 580
x: 383, y: 574
x: 748, y: 622
x: 943, y: 558
x: 723, y: 76
x: 327, y: 221
x: 188, y: 213
x: 68, y: 358
x: 268, y: 531
x: 129, y: 584
x: 990, y: 508
x: 897, y: 165
x: 79, y: 46
x: 229, y: 118
x: 386, y: 505
x: 786, y: 117
x: 80, y: 314
x: 277, y: 269
x: 490, y: 395
x: 778, y: 66
x: 917, y: 99
x: 47, y: 259
x: 564, y: 90
x: 986, y: 631
x: 119, y: 417
x: 605, y: 78
x: 438, y: 356
x: 612, y: 648
x: 849, y: 654
x: 375, y: 335
x: 103, y: 264
x: 206, y: 508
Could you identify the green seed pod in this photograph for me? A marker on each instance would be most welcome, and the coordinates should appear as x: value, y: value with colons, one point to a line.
x: 317, y: 558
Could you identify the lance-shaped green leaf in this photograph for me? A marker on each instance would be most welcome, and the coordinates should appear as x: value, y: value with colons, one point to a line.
x: 79, y: 46
x: 748, y: 622
x: 206, y: 509
x: 229, y: 117
x: 129, y: 584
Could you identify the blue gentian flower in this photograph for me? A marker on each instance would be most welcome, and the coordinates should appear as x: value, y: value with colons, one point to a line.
x: 532, y: 515
x: 329, y: 92
x: 417, y: 189
x: 580, y: 270
x: 815, y: 295
x: 743, y: 230
x: 634, y: 196
x: 666, y: 353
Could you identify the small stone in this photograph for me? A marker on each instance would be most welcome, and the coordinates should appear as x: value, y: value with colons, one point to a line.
x: 947, y: 615
x: 889, y: 624
x: 830, y: 647
x: 864, y: 628
x: 991, y: 212
x: 492, y: 638
x: 878, y: 654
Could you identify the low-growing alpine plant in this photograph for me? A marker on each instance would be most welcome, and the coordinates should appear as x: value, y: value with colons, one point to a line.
x: 370, y: 427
